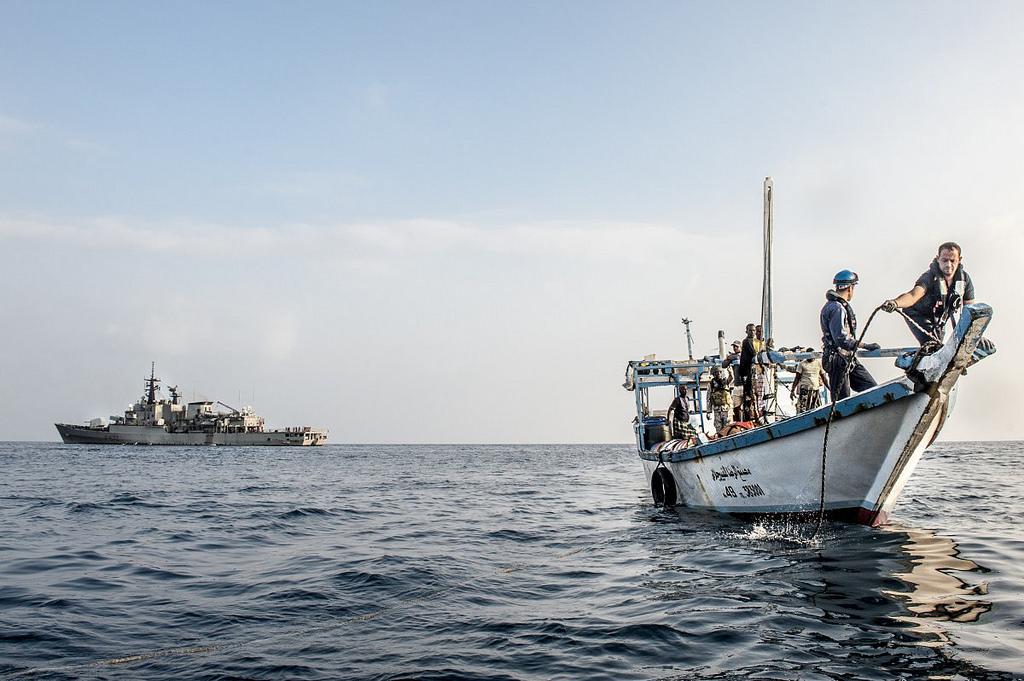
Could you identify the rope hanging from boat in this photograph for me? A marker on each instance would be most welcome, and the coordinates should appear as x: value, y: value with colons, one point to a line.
x: 828, y: 426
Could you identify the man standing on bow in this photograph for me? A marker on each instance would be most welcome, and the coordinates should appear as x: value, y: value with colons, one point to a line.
x: 839, y: 339
x: 938, y: 294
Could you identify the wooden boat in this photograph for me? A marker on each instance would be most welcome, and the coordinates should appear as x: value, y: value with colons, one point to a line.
x: 875, y: 438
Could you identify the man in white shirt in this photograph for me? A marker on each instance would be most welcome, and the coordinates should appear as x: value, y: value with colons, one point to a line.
x: 806, y: 390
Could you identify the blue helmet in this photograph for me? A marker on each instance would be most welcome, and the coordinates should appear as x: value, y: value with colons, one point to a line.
x: 845, y: 278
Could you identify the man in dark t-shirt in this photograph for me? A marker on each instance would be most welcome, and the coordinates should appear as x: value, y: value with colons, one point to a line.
x: 748, y: 351
x: 937, y: 295
x: 678, y: 415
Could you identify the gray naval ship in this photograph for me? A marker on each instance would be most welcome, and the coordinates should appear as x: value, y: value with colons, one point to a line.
x: 154, y: 421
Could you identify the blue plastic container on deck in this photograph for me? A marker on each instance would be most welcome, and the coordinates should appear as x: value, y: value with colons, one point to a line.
x: 655, y: 430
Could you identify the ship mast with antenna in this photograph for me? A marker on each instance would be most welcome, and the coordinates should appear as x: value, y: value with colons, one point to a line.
x: 151, y: 384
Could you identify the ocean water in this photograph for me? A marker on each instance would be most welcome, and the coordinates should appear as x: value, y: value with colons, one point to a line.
x: 487, y: 562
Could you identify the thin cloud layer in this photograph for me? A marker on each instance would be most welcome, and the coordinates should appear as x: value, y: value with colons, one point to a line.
x: 562, y: 239
x: 15, y: 126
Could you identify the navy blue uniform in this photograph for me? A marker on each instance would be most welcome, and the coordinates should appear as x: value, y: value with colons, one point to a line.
x: 839, y: 347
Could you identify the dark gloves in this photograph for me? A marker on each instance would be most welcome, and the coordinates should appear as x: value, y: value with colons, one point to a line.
x: 890, y: 306
x: 871, y: 347
x: 986, y: 345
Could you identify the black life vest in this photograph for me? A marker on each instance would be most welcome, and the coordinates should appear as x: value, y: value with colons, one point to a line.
x: 940, y: 300
x: 828, y: 342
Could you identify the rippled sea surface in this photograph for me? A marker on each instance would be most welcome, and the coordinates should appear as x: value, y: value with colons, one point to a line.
x: 487, y: 562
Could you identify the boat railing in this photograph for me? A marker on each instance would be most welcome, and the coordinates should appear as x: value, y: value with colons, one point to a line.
x: 653, y: 372
x: 695, y: 375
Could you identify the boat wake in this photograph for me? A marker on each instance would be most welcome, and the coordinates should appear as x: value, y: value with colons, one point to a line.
x: 783, y: 532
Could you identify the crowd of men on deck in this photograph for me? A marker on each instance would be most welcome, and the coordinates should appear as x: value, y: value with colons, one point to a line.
x: 738, y: 388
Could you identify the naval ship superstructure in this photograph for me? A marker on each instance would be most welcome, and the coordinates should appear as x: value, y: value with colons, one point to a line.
x: 155, y: 421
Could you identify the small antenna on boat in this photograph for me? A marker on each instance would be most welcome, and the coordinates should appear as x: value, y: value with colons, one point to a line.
x: 689, y: 338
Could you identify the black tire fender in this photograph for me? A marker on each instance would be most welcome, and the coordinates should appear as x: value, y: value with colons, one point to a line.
x: 663, y: 487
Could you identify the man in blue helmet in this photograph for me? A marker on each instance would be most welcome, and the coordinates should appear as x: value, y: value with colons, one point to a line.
x: 839, y: 339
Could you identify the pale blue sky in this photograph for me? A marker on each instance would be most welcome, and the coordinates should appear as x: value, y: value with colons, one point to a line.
x: 284, y: 196
x: 262, y: 112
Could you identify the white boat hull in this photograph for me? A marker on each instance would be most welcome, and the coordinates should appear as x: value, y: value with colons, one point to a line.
x: 870, y: 457
x: 875, y: 441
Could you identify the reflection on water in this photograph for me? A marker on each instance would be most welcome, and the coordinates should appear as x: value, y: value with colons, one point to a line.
x: 936, y: 595
x: 854, y: 602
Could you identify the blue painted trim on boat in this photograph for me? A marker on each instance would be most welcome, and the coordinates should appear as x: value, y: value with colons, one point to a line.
x: 796, y: 508
x: 869, y: 399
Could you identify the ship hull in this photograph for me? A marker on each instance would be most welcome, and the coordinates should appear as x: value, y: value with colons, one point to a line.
x: 875, y: 441
x: 155, y: 435
x: 872, y: 450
